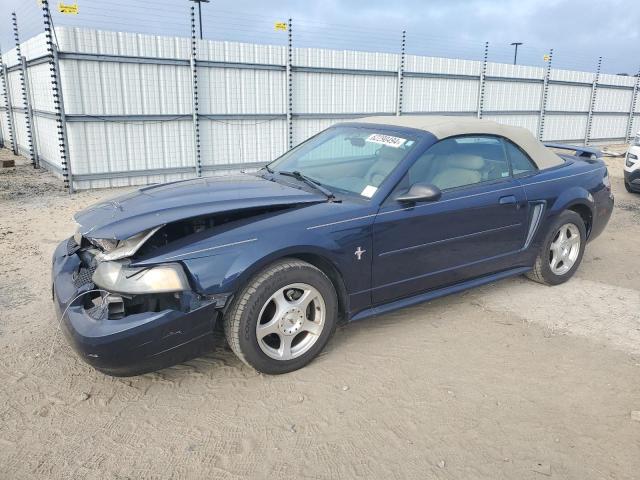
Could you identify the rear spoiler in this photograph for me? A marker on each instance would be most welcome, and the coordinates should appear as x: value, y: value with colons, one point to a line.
x: 585, y: 152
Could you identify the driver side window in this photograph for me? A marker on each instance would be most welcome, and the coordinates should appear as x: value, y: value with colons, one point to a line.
x: 460, y: 161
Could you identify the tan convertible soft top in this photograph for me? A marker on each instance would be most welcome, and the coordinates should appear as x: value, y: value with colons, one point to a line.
x: 443, y: 127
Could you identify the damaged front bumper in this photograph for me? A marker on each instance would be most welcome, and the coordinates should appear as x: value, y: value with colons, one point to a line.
x: 116, y: 342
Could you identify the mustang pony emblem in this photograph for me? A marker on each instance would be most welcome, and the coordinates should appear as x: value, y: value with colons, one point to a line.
x: 358, y: 253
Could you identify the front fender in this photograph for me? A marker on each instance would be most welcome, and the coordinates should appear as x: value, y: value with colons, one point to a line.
x: 229, y: 271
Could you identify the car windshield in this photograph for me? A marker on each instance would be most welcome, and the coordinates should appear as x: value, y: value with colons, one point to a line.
x: 349, y: 159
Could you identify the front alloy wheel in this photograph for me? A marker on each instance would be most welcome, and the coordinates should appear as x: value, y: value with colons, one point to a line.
x: 291, y: 321
x: 283, y: 317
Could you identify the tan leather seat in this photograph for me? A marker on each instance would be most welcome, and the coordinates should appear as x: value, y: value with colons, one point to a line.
x: 461, y: 169
x: 388, y: 159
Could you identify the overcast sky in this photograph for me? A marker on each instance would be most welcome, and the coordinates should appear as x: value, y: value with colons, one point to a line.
x: 578, y: 30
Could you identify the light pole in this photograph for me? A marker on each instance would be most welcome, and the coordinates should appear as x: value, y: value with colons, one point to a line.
x: 515, y: 53
x: 199, y: 2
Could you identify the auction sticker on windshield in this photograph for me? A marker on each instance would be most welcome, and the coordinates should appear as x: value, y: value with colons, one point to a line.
x: 368, y: 191
x: 387, y: 140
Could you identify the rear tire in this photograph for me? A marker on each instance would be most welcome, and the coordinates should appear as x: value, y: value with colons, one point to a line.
x: 561, y: 251
x: 283, y: 317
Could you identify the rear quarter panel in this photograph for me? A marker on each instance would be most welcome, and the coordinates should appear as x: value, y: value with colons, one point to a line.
x: 577, y: 182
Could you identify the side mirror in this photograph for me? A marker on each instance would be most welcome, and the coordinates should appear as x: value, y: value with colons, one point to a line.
x: 420, y: 192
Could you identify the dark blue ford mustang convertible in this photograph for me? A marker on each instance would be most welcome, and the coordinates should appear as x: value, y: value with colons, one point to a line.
x: 361, y: 219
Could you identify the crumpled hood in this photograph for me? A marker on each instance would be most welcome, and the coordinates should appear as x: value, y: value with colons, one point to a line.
x: 124, y: 216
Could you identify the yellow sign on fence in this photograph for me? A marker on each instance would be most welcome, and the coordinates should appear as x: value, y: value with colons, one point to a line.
x: 546, y: 58
x: 281, y: 26
x: 68, y: 9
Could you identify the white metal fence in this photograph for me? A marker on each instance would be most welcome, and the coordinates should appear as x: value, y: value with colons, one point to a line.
x: 137, y: 108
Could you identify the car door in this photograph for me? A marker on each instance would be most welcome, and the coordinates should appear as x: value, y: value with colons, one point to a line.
x: 478, y: 225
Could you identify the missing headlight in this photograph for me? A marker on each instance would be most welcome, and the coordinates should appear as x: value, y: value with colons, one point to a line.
x: 104, y: 244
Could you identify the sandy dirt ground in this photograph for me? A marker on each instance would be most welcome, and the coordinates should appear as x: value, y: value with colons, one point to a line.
x: 513, y: 380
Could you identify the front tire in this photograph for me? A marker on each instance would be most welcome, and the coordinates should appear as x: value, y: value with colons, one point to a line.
x: 283, y: 317
x: 562, y: 250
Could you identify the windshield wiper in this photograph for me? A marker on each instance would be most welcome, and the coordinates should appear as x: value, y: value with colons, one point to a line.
x: 266, y: 167
x: 312, y: 183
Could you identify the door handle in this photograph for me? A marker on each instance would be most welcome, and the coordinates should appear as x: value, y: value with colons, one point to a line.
x: 508, y: 200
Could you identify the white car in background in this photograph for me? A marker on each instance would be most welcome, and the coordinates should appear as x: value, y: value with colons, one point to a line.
x: 632, y: 166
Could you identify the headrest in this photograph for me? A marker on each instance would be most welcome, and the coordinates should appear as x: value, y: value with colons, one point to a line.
x: 391, y: 154
x: 466, y: 161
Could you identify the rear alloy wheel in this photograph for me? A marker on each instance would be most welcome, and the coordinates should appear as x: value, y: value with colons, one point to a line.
x: 562, y: 250
x: 283, y: 318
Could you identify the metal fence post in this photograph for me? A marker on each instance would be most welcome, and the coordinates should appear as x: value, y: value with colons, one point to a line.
x: 483, y: 74
x: 289, y: 61
x: 8, y: 106
x: 194, y: 95
x: 634, y: 99
x: 58, y: 100
x: 592, y: 104
x: 24, y: 80
x: 401, y: 74
x: 31, y: 126
x: 545, y: 96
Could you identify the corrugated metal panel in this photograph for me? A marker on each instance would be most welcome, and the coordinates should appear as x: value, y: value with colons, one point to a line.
x: 46, y: 133
x: 130, y: 181
x: 512, y: 96
x: 98, y: 147
x: 612, y: 100
x: 453, y: 66
x: 15, y: 87
x: 571, y: 76
x: 232, y: 90
x: 10, y: 58
x: 305, y: 128
x: 4, y: 121
x: 34, y: 47
x: 340, y: 93
x: 514, y: 71
x: 565, y: 127
x: 107, y: 88
x: 635, y: 126
x: 4, y: 126
x: 242, y: 141
x: 440, y: 95
x: 40, y: 87
x: 20, y: 129
x: 31, y: 48
x: 569, y: 98
x: 84, y: 40
x: 349, y: 59
x: 619, y: 80
x: 609, y: 126
x: 530, y: 122
x: 217, y: 51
